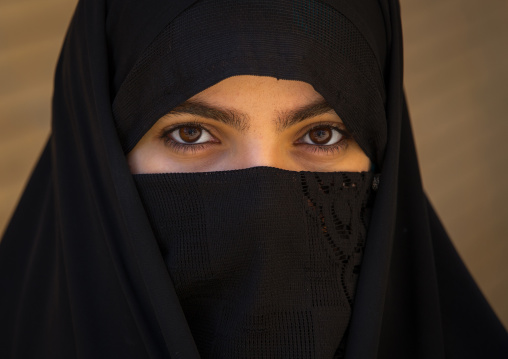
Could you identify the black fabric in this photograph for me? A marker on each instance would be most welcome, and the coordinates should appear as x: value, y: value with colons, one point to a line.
x: 82, y: 275
x: 264, y: 261
x: 291, y: 39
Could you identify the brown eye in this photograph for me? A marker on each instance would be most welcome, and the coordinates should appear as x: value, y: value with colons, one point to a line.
x: 189, y: 134
x: 320, y: 135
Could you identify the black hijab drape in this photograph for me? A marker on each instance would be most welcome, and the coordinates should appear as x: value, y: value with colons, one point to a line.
x: 80, y: 271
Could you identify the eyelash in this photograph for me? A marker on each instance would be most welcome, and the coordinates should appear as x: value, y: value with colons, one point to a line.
x: 327, y: 149
x: 182, y: 147
x: 193, y: 148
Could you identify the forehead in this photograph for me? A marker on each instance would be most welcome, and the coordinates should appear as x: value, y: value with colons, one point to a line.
x: 259, y: 93
x: 240, y: 100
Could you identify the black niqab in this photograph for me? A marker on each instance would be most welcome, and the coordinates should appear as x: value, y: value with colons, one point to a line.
x: 264, y: 261
x: 81, y: 274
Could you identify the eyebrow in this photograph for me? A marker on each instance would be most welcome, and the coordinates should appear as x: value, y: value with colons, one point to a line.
x: 240, y: 120
x: 287, y: 119
x: 230, y: 117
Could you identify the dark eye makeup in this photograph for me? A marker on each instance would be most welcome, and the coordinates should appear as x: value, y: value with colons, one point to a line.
x: 327, y: 137
x: 195, y: 136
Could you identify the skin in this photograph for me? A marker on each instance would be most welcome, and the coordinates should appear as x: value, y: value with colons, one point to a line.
x: 270, y: 127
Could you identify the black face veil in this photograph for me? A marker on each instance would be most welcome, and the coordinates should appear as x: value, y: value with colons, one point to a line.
x: 81, y: 274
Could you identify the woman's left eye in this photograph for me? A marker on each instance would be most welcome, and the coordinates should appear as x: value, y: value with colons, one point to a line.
x: 322, y: 136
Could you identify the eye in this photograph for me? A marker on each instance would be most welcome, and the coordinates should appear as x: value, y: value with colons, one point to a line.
x: 322, y: 136
x: 190, y: 135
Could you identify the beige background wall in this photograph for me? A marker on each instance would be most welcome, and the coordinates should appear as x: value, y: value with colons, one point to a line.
x: 457, y: 86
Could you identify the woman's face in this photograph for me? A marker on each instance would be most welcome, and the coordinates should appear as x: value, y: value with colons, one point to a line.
x: 248, y: 121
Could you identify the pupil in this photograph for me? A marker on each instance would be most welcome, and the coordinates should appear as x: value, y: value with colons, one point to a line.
x: 190, y: 134
x: 320, y: 135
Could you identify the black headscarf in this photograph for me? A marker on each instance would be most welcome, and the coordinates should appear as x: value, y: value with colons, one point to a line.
x: 81, y: 274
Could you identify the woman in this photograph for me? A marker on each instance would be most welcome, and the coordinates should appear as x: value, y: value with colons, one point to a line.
x: 98, y: 262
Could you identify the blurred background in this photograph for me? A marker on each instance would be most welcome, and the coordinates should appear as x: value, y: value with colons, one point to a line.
x: 456, y: 78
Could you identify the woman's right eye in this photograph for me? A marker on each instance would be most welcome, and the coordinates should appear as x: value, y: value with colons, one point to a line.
x: 190, y: 135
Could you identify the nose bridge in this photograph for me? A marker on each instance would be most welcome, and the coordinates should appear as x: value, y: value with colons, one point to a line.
x: 264, y: 151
